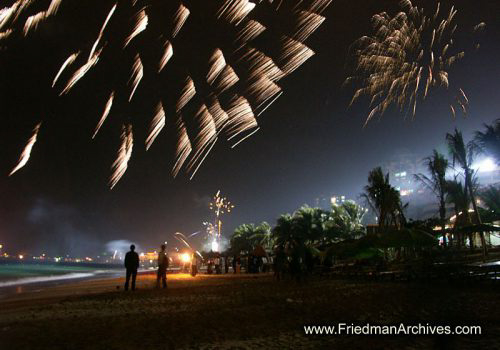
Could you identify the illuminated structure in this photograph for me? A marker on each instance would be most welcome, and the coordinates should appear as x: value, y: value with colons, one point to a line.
x: 220, y: 205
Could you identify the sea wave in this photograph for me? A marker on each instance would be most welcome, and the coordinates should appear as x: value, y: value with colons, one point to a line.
x: 39, y: 279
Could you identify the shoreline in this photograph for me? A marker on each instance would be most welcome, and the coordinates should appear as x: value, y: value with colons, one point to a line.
x: 53, y: 291
x: 241, y: 311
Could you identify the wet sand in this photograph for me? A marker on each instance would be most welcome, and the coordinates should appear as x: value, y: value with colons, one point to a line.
x: 242, y: 312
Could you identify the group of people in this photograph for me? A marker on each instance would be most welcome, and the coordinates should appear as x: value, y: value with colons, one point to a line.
x: 254, y: 265
x: 217, y: 265
x: 132, y: 265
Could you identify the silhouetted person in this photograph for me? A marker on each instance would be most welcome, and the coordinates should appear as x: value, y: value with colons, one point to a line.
x: 162, y: 267
x: 194, y: 264
x: 131, y: 264
x: 279, y: 263
x: 209, y: 267
x: 226, y: 264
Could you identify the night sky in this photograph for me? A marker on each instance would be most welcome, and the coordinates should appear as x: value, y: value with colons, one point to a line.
x: 310, y: 143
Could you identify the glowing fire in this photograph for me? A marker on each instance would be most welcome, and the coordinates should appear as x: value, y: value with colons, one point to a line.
x: 185, y: 258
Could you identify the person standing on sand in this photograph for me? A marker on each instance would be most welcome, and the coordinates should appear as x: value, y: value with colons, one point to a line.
x: 131, y: 264
x: 226, y: 264
x: 162, y: 267
x: 194, y: 265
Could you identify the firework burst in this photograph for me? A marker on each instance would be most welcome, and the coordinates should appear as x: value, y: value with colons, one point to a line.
x: 219, y: 205
x: 409, y: 54
x: 217, y: 80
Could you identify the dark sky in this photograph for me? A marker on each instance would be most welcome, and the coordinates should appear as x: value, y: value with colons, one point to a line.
x: 309, y: 144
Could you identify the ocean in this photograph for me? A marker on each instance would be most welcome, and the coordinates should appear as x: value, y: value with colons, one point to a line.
x: 13, y: 274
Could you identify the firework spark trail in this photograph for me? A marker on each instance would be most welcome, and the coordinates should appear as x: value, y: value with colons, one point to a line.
x: 81, y: 72
x: 32, y: 22
x: 5, y: 34
x: 319, y: 6
x: 241, y: 117
x: 307, y: 23
x: 262, y: 90
x: 180, y: 17
x: 141, y: 22
x: 206, y: 136
x: 94, y: 47
x: 246, y: 137
x: 294, y: 55
x: 167, y: 54
x: 25, y: 155
x: 234, y: 11
x: 226, y: 79
x: 157, y: 125
x: 66, y: 63
x: 239, y: 80
x: 261, y: 65
x: 200, y: 162
x: 217, y: 63
x: 183, y: 239
x: 136, y: 76
x: 250, y: 31
x: 187, y: 93
x: 53, y: 7
x: 121, y: 163
x: 9, y: 15
x: 409, y: 54
x: 194, y: 234
x: 105, y: 114
x: 263, y: 109
x: 184, y: 147
x: 218, y: 114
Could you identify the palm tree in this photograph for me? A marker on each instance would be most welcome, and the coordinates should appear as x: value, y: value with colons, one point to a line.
x: 345, y: 221
x: 309, y: 223
x: 436, y: 165
x: 242, y: 238
x: 489, y: 140
x: 463, y: 155
x: 456, y: 195
x: 283, y: 231
x: 491, y: 198
x: 384, y: 199
x: 263, y: 236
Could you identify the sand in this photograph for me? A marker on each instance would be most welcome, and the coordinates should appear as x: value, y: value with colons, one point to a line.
x: 242, y: 312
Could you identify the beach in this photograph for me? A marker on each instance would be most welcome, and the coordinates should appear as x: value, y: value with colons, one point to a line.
x: 241, y: 312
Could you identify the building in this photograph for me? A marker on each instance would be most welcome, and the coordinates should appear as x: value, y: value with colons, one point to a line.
x: 402, y: 168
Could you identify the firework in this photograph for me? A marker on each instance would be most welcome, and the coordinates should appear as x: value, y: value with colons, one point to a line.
x: 121, y: 163
x: 409, y: 54
x: 234, y: 80
x: 25, y: 155
x: 219, y: 205
x: 109, y: 104
x: 185, y: 240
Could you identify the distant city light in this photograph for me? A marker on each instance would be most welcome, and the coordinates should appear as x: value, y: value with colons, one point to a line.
x: 21, y: 257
